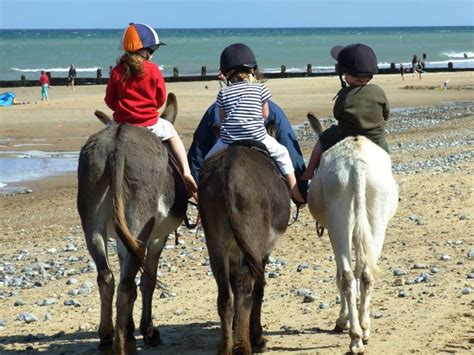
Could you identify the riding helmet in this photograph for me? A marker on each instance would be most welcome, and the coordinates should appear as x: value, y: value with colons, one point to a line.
x: 137, y: 36
x: 355, y: 59
x: 237, y: 55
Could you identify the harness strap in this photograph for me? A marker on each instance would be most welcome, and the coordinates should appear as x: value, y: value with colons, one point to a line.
x: 173, y: 162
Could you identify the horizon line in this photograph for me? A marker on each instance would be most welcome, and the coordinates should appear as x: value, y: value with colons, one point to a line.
x: 242, y: 28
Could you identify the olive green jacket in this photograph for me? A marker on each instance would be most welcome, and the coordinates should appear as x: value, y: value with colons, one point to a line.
x: 362, y: 110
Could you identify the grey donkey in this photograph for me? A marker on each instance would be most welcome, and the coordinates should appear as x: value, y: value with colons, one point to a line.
x: 127, y: 189
x: 245, y: 207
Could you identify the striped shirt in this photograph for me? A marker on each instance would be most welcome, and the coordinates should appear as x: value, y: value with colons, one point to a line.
x: 242, y: 102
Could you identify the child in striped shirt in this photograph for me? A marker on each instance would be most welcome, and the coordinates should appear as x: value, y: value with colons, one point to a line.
x: 244, y: 107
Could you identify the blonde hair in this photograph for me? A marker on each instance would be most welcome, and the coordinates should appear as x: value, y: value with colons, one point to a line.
x: 245, y: 74
x: 132, y: 63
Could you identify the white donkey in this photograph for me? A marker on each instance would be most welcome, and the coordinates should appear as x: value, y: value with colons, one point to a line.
x: 354, y: 195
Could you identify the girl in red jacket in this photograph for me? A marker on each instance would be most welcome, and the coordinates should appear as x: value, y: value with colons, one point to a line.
x: 136, y: 90
x: 45, y: 85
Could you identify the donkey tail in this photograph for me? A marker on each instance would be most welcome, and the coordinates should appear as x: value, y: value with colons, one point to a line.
x: 362, y: 234
x: 254, y: 263
x: 119, y: 188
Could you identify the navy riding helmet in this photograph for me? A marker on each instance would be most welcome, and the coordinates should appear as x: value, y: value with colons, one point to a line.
x: 235, y: 56
x: 355, y: 59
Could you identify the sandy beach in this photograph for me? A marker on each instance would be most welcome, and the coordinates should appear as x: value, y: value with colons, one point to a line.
x: 431, y: 234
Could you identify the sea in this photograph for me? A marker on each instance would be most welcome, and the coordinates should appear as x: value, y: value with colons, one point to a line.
x: 27, y: 52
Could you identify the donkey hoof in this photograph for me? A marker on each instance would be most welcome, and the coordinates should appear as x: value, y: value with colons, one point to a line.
x: 259, y: 346
x: 365, y: 341
x: 105, y: 347
x: 239, y: 349
x: 154, y: 339
x: 338, y: 329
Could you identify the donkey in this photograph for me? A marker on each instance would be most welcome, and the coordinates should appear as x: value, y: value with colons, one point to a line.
x: 244, y: 206
x: 127, y: 189
x: 354, y: 195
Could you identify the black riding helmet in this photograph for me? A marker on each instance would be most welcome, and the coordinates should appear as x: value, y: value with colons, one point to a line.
x: 235, y: 56
x: 355, y: 59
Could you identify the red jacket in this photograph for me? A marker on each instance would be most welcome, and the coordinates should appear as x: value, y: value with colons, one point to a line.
x: 137, y: 100
x: 44, y: 79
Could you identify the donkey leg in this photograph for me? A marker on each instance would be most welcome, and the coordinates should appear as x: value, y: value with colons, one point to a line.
x: 349, y: 287
x: 151, y: 335
x: 366, y: 287
x: 97, y: 246
x: 259, y: 343
x: 242, y: 309
x: 219, y: 259
x: 342, y: 322
x: 126, y: 295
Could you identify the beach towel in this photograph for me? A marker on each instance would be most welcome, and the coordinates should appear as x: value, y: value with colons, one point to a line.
x: 7, y: 99
x: 204, y: 139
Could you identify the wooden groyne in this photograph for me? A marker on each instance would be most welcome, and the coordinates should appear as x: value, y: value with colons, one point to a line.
x: 175, y: 77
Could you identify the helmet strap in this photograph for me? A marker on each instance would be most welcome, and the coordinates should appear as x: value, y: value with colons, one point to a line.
x: 343, y: 83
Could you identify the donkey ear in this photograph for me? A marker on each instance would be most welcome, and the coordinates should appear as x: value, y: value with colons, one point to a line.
x: 314, y: 122
x: 103, y: 117
x: 171, y: 109
x: 271, y: 128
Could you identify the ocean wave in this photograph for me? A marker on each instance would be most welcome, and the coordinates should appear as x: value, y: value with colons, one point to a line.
x: 54, y: 70
x: 453, y: 54
x: 324, y: 69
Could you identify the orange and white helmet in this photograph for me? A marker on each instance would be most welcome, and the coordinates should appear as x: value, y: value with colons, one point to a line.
x: 137, y: 36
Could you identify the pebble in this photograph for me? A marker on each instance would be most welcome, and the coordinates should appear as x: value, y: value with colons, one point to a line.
x: 377, y: 315
x: 19, y: 303
x: 309, y: 299
x: 71, y: 281
x: 445, y: 257
x: 466, y: 290
x: 27, y: 317
x: 72, y: 303
x: 323, y: 305
x: 3, y: 324
x: 399, y: 272
x: 272, y: 275
x: 434, y: 270
x: 419, y: 266
x: 302, y: 266
x: 47, y: 302
x: 470, y: 254
x: 470, y: 275
x: 402, y: 294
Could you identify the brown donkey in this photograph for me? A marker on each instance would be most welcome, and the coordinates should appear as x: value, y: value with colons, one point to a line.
x: 244, y: 206
x: 128, y: 189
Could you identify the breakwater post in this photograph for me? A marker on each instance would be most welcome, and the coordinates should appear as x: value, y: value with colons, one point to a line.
x: 204, y: 76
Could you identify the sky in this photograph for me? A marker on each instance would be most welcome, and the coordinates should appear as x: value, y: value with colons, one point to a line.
x: 53, y: 14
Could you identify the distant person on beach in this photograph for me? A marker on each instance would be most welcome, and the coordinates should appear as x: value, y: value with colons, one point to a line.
x: 419, y: 69
x: 45, y: 85
x: 136, y: 90
x: 402, y: 71
x: 465, y: 56
x: 71, y: 76
x: 110, y: 70
x: 414, y: 60
x: 360, y: 108
x: 243, y: 109
x: 423, y: 60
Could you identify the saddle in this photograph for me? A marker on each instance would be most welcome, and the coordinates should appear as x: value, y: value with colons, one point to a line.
x: 253, y: 144
x: 261, y: 148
